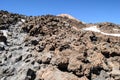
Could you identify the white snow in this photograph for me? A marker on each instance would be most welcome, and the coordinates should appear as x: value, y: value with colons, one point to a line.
x: 23, y: 20
x: 4, y: 32
x: 20, y: 22
x: 117, y: 35
x: 95, y: 29
x: 2, y: 43
x: 92, y: 28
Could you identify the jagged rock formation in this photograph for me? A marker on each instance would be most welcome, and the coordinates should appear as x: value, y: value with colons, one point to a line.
x: 57, y: 48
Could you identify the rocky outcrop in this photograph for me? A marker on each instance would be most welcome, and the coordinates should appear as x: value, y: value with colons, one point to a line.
x: 52, y: 47
x: 52, y: 73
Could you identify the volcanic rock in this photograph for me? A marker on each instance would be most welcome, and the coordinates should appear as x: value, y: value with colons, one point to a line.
x: 50, y: 47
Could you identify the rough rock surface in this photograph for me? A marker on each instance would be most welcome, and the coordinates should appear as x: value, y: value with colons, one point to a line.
x: 52, y: 47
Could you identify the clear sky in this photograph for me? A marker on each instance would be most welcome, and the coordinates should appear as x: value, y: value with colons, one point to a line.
x: 84, y: 10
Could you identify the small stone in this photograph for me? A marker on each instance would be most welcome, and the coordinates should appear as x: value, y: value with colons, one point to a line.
x: 93, y: 38
x: 30, y: 74
x: 40, y: 48
x: 34, y: 42
x: 18, y: 59
x: 2, y: 48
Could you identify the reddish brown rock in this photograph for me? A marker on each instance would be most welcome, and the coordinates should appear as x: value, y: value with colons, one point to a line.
x: 52, y: 73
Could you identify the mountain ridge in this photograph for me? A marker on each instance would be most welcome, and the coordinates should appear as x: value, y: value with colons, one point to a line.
x: 50, y: 47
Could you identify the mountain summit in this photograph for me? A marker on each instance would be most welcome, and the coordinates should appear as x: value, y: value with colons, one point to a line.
x: 67, y: 16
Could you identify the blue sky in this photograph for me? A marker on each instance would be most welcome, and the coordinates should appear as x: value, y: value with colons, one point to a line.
x: 84, y: 10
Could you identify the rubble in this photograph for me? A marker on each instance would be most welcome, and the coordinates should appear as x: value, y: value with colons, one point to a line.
x: 52, y: 47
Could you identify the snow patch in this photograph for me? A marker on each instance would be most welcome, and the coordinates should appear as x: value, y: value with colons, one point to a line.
x: 4, y: 32
x: 117, y: 35
x: 95, y: 29
x: 2, y: 43
x: 23, y: 20
x: 20, y: 22
x: 92, y: 28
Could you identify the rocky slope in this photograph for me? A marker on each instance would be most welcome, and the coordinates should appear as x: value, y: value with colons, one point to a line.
x: 52, y: 47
